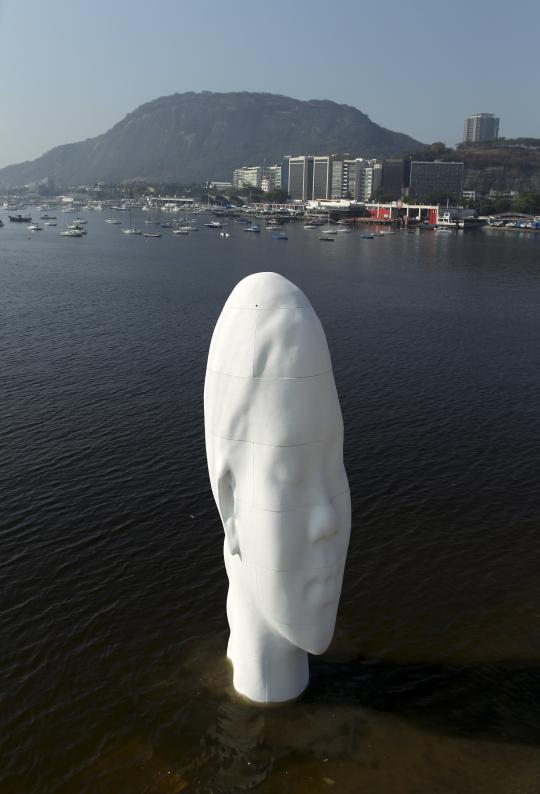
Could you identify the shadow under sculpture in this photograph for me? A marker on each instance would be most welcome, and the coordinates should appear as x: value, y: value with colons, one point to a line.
x: 274, y: 443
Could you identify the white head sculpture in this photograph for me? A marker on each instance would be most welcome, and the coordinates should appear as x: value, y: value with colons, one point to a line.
x: 274, y: 442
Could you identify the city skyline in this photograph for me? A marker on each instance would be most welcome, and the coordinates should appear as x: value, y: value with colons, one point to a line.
x: 91, y: 65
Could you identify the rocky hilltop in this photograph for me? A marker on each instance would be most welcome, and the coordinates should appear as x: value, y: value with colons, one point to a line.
x: 193, y: 137
x: 502, y: 168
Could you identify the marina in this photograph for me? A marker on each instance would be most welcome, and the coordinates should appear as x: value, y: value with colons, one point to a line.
x: 380, y: 219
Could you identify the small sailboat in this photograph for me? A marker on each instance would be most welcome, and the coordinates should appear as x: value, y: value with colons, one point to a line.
x: 328, y: 229
x: 132, y: 229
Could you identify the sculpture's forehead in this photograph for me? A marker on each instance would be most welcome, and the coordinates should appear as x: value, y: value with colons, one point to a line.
x: 269, y: 343
x: 280, y: 412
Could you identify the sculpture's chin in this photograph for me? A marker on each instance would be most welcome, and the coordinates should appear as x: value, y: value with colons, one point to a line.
x: 313, y: 639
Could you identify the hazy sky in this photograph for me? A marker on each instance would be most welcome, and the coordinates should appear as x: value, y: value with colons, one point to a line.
x: 70, y: 69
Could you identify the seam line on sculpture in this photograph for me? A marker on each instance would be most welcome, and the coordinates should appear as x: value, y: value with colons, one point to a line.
x: 292, y: 509
x: 258, y: 377
x: 277, y: 446
x: 270, y: 306
x: 252, y: 488
x: 302, y: 625
x: 332, y: 565
x: 254, y: 344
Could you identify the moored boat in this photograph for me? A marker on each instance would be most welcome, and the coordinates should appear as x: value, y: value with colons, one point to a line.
x: 20, y: 218
x: 76, y: 227
x: 71, y: 233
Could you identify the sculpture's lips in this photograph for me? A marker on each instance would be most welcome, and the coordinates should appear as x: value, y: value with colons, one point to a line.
x: 321, y: 589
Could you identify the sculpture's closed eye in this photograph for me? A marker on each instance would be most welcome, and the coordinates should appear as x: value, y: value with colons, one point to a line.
x: 226, y: 488
x: 288, y: 472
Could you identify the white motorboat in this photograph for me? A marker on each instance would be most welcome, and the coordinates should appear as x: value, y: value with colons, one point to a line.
x: 35, y: 227
x: 113, y: 221
x: 71, y: 233
x: 76, y: 227
x: 181, y: 231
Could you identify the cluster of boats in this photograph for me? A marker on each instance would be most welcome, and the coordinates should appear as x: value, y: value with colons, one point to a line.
x: 178, y: 226
x: 330, y: 230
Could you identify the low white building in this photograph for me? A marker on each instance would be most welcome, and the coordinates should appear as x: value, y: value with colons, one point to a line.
x: 249, y: 176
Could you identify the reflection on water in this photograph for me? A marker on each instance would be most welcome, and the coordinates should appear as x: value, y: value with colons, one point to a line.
x: 112, y: 673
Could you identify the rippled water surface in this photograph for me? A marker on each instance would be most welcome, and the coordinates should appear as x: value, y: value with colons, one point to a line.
x: 113, y: 628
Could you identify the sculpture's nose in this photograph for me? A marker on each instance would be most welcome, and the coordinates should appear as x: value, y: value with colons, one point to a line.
x: 323, y: 524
